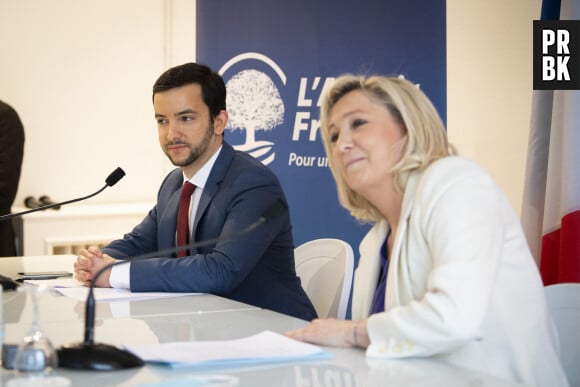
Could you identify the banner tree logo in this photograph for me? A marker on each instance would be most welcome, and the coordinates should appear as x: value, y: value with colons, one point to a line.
x: 254, y: 103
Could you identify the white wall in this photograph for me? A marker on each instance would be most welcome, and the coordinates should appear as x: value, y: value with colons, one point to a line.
x: 489, y: 85
x: 80, y: 73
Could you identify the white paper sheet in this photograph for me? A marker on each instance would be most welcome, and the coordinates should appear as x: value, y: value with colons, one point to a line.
x: 72, y: 288
x: 265, y: 347
x: 109, y: 294
x: 63, y: 282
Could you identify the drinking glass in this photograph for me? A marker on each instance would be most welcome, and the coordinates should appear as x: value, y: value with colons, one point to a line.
x: 35, y: 358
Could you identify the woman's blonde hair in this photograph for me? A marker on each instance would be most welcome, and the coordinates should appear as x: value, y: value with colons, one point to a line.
x: 425, y: 142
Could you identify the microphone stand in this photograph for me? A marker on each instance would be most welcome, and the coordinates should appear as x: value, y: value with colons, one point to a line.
x: 104, y: 357
x: 111, y: 180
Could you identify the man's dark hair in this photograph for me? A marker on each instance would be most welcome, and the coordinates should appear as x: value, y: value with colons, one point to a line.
x: 213, y: 88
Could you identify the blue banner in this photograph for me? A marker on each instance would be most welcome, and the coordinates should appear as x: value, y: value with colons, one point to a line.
x: 277, y: 57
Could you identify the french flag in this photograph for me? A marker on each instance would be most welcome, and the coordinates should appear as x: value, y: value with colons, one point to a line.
x: 551, y: 202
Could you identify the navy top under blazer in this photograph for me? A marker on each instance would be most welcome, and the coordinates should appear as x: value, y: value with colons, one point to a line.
x: 256, y: 268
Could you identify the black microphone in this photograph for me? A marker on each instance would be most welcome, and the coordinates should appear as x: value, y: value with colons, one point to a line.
x: 111, y: 180
x: 103, y: 357
x: 31, y: 202
x: 45, y: 200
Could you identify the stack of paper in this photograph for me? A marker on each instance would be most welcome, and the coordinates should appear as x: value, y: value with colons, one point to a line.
x: 263, y: 348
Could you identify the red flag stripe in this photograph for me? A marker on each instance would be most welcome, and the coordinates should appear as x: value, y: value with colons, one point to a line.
x: 560, y: 258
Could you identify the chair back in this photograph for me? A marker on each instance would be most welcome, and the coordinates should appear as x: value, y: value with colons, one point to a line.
x: 325, y: 268
x: 564, y: 305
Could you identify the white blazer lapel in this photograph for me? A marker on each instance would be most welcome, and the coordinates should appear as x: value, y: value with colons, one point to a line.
x: 392, y: 296
x: 368, y: 270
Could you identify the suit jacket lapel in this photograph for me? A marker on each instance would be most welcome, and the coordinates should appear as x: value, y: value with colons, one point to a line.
x: 216, y: 175
x: 167, y: 226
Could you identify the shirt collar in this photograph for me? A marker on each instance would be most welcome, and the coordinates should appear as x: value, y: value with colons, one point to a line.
x: 200, y: 178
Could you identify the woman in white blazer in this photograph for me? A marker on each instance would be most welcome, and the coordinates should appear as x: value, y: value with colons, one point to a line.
x: 445, y: 271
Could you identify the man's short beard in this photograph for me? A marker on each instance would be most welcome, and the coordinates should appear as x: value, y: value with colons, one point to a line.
x: 195, y: 152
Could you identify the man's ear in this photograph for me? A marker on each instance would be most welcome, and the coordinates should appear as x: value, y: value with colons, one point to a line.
x: 220, y: 121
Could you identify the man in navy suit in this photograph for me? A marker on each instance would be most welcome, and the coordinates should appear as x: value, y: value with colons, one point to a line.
x: 232, y: 191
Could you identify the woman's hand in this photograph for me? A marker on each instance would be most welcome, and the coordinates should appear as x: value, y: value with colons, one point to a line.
x: 333, y: 333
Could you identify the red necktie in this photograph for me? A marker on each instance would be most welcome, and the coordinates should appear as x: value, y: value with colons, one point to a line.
x: 183, y: 217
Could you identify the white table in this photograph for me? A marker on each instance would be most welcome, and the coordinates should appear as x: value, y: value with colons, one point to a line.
x: 206, y: 317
